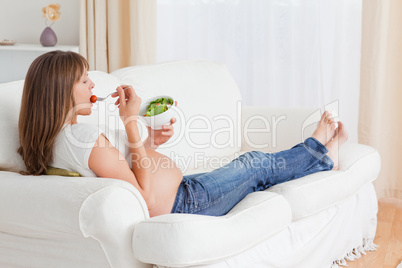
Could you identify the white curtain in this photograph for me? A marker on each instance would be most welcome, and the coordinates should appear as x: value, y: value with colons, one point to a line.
x: 280, y: 52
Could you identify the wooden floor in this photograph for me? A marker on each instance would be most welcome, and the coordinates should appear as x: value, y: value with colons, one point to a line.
x: 388, y: 237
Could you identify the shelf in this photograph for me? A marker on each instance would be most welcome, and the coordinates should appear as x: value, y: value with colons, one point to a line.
x: 38, y: 47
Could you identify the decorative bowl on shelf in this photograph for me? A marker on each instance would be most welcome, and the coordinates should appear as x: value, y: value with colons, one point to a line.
x: 6, y: 42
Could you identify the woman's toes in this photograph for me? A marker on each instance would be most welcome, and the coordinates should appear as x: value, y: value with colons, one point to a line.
x: 343, y: 134
x: 329, y: 117
x: 324, y: 116
x: 333, y: 126
x: 341, y: 126
x: 325, y: 129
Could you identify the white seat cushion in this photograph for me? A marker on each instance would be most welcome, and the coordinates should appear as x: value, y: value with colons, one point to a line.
x: 359, y: 164
x: 175, y: 240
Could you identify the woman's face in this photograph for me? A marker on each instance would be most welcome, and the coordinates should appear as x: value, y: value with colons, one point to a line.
x: 82, y: 93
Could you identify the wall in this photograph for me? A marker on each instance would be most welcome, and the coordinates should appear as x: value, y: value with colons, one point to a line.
x: 21, y: 20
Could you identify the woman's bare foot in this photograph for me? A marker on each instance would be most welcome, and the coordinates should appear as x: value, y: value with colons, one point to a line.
x: 333, y: 146
x: 325, y: 128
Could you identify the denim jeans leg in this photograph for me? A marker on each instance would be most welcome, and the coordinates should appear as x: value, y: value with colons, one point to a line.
x: 316, y: 160
x: 216, y: 192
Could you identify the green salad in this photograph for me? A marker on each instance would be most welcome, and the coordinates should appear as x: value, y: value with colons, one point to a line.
x: 158, y: 106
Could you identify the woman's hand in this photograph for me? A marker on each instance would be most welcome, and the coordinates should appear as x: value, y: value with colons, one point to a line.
x: 128, y: 103
x: 161, y: 136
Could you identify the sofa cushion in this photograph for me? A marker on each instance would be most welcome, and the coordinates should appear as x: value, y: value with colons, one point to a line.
x: 178, y: 241
x: 359, y: 164
x: 208, y: 112
x: 10, y: 103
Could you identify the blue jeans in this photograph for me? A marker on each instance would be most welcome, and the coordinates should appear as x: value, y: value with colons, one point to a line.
x: 215, y: 193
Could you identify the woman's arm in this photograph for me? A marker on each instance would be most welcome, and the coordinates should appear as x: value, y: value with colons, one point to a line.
x: 109, y: 162
x: 148, y: 144
x: 139, y: 158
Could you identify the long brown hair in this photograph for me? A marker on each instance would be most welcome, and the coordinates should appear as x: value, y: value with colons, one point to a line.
x: 46, y: 102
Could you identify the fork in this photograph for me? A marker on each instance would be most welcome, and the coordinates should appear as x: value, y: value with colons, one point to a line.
x: 102, y: 99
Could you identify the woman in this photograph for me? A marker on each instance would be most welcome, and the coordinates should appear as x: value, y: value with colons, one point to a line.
x: 57, y: 89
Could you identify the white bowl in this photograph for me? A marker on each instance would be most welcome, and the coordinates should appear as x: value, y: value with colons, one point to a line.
x: 156, y: 121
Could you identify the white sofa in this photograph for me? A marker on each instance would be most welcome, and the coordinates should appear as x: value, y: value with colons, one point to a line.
x: 315, y: 221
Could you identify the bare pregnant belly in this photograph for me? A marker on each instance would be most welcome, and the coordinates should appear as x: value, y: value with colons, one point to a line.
x: 166, y: 178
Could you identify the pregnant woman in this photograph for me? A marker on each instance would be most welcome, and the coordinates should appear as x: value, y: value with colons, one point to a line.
x: 57, y: 90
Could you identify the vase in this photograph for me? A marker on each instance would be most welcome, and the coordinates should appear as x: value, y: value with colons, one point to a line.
x: 48, y: 38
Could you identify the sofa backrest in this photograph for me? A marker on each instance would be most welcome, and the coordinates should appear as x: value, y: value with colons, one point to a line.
x: 208, y: 112
x: 10, y: 103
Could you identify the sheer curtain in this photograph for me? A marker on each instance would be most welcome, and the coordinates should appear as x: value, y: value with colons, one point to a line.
x: 287, y: 53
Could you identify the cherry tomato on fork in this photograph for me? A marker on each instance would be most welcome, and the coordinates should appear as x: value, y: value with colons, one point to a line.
x: 93, y: 98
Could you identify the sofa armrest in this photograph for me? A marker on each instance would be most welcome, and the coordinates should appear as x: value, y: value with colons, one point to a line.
x: 275, y: 129
x: 178, y: 240
x: 109, y: 216
x: 56, y: 215
x: 359, y: 165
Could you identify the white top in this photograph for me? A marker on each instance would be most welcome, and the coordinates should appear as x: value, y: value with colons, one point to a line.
x: 74, y: 144
x: 72, y: 148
